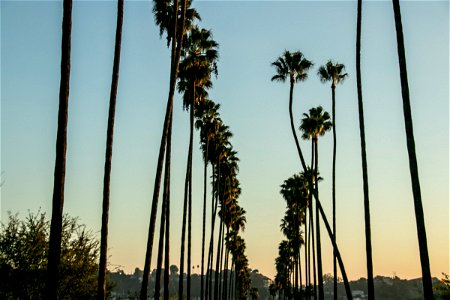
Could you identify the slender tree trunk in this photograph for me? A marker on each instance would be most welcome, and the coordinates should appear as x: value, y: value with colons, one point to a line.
x: 291, y: 95
x: 319, y: 247
x: 219, y: 250
x: 188, y: 291
x: 205, y: 174
x: 420, y: 220
x: 108, y: 156
x: 54, y: 254
x: 225, y: 277
x: 186, y: 206
x: 167, y: 217
x: 163, y: 220
x: 306, y: 252
x: 370, y: 285
x: 208, y: 267
x: 177, y: 41
x: 333, y: 115
x: 311, y: 213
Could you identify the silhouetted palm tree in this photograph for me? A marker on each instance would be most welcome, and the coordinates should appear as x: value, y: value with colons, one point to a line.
x: 333, y: 72
x: 108, y: 156
x: 54, y: 252
x: 314, y: 125
x: 293, y: 66
x: 177, y: 30
x: 420, y: 220
x: 370, y: 285
x: 208, y: 121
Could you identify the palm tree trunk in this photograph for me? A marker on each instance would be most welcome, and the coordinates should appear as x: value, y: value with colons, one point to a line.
x: 177, y: 41
x: 60, y: 160
x: 216, y: 277
x: 208, y: 267
x: 299, y: 150
x: 108, y: 156
x: 311, y: 226
x: 370, y: 285
x: 163, y: 216
x: 319, y: 247
x: 333, y: 115
x: 420, y: 220
x: 205, y: 174
x: 188, y: 291
x: 306, y: 252
x: 186, y: 206
x: 167, y: 217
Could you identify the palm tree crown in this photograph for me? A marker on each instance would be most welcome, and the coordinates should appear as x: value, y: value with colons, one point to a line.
x: 291, y: 65
x: 333, y: 72
x: 316, y: 123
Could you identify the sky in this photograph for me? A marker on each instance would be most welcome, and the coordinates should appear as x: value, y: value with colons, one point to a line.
x: 251, y: 35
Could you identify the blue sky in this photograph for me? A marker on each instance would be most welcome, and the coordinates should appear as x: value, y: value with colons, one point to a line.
x: 251, y: 35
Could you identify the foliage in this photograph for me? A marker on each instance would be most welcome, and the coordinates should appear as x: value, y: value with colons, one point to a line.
x: 442, y: 289
x: 23, y: 258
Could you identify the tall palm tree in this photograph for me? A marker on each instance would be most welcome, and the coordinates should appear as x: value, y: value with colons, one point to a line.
x: 208, y: 122
x: 370, y: 285
x: 198, y: 64
x: 313, y: 125
x: 333, y: 72
x: 420, y: 220
x: 178, y: 17
x: 108, y: 156
x: 293, y: 66
x: 54, y: 252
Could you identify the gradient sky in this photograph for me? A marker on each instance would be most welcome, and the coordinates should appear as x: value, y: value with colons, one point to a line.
x: 251, y: 35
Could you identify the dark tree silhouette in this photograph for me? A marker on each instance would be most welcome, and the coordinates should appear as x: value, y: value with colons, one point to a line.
x: 420, y: 219
x: 370, y: 285
x: 108, y: 155
x: 60, y: 160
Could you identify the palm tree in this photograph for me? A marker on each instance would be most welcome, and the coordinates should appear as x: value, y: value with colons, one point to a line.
x: 314, y: 125
x: 199, y: 62
x: 178, y: 17
x: 54, y: 252
x: 293, y: 66
x: 370, y: 284
x: 108, y: 155
x: 333, y: 72
x: 420, y: 220
x: 208, y: 122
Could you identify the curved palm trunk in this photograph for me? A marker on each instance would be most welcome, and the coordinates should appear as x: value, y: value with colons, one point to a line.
x: 319, y: 247
x: 420, y: 220
x: 370, y: 285
x: 333, y: 115
x: 108, y: 156
x: 54, y: 252
x: 175, y: 59
x: 205, y: 174
x: 291, y: 95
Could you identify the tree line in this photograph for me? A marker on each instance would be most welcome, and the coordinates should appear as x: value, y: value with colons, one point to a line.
x: 194, y: 56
